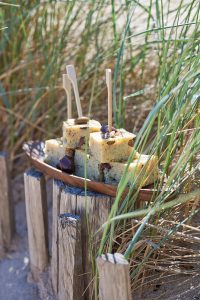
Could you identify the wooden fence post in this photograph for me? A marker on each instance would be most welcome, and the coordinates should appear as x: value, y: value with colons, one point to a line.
x: 37, y: 221
x: 93, y: 210
x: 70, y: 279
x: 114, y: 278
x: 7, y: 220
x: 55, y: 252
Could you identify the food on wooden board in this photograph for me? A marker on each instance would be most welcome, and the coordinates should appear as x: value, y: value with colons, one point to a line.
x: 76, y: 132
x: 143, y: 171
x: 55, y: 150
x: 144, y: 168
x: 116, y: 145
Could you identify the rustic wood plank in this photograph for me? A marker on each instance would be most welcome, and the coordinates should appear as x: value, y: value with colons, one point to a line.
x: 64, y: 200
x: 93, y: 210
x: 114, y: 279
x: 54, y: 255
x: 70, y: 279
x: 37, y: 225
x: 7, y: 221
x: 68, y: 202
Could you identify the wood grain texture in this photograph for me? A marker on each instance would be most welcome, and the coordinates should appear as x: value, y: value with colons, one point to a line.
x: 67, y: 87
x: 59, y: 195
x: 72, y: 77
x: 70, y: 282
x: 54, y: 257
x: 7, y: 222
x: 37, y: 225
x: 114, y: 278
x: 93, y: 210
x: 145, y: 194
x: 110, y: 105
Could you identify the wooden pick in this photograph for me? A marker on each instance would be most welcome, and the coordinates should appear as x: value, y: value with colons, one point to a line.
x: 67, y: 87
x: 109, y: 87
x: 72, y: 77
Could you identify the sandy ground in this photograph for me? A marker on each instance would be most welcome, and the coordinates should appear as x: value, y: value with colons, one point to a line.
x: 15, y: 267
x: 15, y: 279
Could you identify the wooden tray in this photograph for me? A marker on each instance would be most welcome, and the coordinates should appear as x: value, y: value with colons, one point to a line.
x: 35, y: 153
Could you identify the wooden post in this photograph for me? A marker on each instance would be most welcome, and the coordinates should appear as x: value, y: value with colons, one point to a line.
x: 37, y: 221
x: 114, y: 278
x: 7, y: 222
x: 54, y: 254
x: 70, y: 281
x: 59, y: 195
x: 93, y: 210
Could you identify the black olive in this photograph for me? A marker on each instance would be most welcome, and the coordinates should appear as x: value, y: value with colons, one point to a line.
x: 104, y: 129
x: 105, y: 166
x: 105, y: 134
x: 81, y: 142
x: 66, y: 164
x: 131, y: 143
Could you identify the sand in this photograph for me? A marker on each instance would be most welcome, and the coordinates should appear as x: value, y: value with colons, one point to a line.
x: 14, y: 268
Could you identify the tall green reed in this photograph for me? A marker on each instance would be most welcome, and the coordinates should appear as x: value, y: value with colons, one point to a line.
x: 175, y: 110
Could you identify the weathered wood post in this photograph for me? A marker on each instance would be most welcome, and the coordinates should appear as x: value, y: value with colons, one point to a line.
x: 37, y: 221
x: 93, y: 210
x: 7, y: 220
x: 59, y: 195
x: 54, y: 247
x: 70, y: 281
x: 114, y: 278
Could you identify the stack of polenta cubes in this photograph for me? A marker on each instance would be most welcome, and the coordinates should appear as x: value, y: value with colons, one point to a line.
x: 89, y: 150
x: 99, y: 153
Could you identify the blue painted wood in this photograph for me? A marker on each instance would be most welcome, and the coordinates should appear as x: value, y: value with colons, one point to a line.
x: 2, y: 153
x: 76, y: 191
x: 35, y: 173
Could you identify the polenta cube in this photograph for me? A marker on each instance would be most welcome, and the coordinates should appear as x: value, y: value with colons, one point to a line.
x: 95, y: 170
x: 55, y: 150
x: 144, y: 170
x: 75, y: 135
x: 117, y: 147
x: 81, y: 162
x: 85, y: 162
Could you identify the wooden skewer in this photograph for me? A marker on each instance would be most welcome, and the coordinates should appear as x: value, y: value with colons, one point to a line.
x: 67, y: 87
x: 72, y: 76
x: 109, y: 87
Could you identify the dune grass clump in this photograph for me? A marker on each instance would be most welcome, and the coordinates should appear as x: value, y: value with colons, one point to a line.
x: 172, y: 132
x: 39, y: 39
